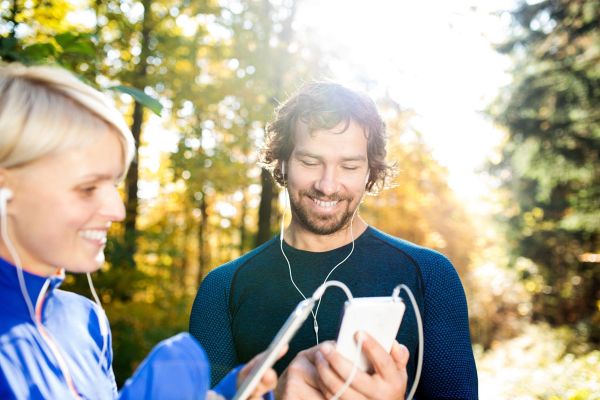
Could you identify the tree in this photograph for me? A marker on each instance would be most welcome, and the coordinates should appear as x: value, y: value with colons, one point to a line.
x: 51, y: 38
x: 246, y: 72
x: 550, y: 170
x: 420, y: 206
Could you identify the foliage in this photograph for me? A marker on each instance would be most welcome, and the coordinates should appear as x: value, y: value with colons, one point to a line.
x: 53, y: 40
x: 141, y: 97
x: 542, y: 363
x: 499, y: 304
x: 549, y: 170
x: 420, y: 206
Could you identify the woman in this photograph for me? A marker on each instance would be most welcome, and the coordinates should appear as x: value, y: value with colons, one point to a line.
x: 63, y: 150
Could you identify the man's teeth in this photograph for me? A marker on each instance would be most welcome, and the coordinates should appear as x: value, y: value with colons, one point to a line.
x: 325, y: 203
x: 93, y: 235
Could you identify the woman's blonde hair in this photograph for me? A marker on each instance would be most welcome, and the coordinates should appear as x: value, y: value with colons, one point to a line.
x: 46, y: 109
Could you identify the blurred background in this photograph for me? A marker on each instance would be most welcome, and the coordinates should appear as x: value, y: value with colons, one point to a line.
x: 493, y: 115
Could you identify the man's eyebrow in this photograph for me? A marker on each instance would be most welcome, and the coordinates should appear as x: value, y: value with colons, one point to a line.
x: 355, y: 158
x: 302, y: 153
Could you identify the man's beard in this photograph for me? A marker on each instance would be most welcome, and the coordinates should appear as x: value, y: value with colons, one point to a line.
x: 319, y: 224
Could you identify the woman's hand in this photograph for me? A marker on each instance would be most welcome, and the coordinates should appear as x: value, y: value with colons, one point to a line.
x: 268, y: 380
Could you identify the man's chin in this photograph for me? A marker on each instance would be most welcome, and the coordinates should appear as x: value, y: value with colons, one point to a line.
x: 325, y: 227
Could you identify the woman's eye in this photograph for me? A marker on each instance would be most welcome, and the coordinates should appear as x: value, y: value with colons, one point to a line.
x: 88, y: 190
x: 309, y: 163
x: 350, y: 167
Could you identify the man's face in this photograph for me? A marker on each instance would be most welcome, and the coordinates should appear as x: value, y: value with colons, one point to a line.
x: 326, y: 177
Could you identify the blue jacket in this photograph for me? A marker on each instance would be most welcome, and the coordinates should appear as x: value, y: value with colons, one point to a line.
x: 61, y: 355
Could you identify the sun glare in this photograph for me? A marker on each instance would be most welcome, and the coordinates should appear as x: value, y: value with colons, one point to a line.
x: 433, y: 57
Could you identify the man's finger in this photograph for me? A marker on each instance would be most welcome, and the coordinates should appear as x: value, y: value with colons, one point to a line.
x: 331, y: 382
x: 400, y: 355
x: 382, y: 362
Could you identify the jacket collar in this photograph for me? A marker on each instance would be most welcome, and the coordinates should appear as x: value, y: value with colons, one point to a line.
x: 10, y: 290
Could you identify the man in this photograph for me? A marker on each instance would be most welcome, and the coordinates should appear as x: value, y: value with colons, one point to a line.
x: 327, y: 147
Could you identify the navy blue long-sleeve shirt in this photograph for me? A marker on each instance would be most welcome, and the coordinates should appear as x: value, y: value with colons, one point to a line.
x: 241, y: 305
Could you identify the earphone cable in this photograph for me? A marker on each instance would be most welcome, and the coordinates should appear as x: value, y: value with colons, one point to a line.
x: 316, y: 311
x: 101, y: 321
x: 396, y: 293
x: 15, y: 255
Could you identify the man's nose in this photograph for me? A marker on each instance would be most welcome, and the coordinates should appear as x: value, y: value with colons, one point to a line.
x: 328, y: 182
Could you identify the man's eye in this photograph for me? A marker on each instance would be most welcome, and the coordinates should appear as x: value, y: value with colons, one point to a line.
x: 309, y: 163
x: 350, y: 167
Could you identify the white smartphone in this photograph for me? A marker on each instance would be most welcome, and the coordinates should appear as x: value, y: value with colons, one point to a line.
x: 283, y: 337
x: 380, y: 317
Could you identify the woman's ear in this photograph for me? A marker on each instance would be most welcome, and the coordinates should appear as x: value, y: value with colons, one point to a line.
x: 5, y: 192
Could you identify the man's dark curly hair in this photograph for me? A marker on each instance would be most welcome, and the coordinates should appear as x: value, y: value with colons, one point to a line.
x: 324, y: 105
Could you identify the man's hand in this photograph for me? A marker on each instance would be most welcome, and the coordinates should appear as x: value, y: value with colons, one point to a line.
x: 387, y: 382
x: 299, y: 381
x: 268, y: 381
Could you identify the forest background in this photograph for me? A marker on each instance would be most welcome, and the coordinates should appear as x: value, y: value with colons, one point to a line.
x: 198, y: 80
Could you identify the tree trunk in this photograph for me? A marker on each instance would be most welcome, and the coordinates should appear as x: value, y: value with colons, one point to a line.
x: 268, y: 196
x: 204, y: 250
x: 243, y: 230
x: 131, y: 205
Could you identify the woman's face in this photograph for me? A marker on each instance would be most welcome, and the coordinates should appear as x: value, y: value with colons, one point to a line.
x: 63, y: 205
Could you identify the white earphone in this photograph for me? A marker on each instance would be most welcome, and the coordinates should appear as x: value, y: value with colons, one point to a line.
x: 5, y: 195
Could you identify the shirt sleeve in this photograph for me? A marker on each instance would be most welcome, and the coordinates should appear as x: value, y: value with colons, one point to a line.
x: 449, y: 370
x: 210, y: 323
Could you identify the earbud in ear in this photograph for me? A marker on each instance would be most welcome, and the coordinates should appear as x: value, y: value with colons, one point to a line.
x: 5, y: 195
x: 368, y: 176
x: 283, y: 177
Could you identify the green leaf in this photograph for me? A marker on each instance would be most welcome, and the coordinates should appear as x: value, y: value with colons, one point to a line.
x: 8, y: 43
x: 38, y: 52
x: 80, y: 48
x: 8, y: 49
x: 76, y: 44
x: 141, y: 97
x: 66, y: 39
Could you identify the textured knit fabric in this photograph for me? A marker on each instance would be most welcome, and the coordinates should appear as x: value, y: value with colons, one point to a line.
x: 241, y: 305
x: 177, y: 368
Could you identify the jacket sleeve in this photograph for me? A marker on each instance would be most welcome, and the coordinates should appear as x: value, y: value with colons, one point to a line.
x: 210, y: 322
x: 449, y: 370
x: 177, y: 368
